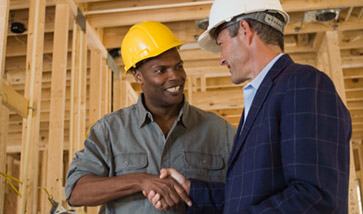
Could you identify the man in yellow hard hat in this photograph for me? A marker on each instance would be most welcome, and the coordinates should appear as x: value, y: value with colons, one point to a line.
x: 126, y: 149
x: 291, y: 151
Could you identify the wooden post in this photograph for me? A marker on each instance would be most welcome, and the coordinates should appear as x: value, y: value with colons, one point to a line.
x: 57, y: 103
x: 43, y: 182
x: 4, y: 125
x: 95, y: 87
x: 78, y: 91
x: 33, y: 85
x: 4, y: 112
x: 83, y: 92
x: 104, y: 88
x: 117, y: 93
x: 74, y: 100
x: 329, y: 61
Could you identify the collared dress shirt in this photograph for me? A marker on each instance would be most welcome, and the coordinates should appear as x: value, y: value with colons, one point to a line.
x: 130, y: 141
x: 249, y: 91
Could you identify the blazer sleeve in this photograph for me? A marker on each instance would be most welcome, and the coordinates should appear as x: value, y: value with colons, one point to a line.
x: 207, y: 197
x: 315, y: 132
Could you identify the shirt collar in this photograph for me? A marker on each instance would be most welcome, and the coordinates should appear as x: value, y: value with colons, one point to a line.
x: 146, y: 116
x: 256, y: 82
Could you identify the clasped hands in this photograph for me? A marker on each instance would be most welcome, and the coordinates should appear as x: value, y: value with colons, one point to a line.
x: 164, y: 197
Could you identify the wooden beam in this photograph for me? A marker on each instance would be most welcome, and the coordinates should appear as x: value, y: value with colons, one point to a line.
x: 150, y: 11
x: 29, y: 166
x: 14, y: 101
x: 298, y: 5
x: 354, y: 23
x: 56, y: 120
x: 133, y: 17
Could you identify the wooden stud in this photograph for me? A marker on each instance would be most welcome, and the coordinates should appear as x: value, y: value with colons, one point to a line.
x: 109, y: 89
x: 4, y: 124
x: 33, y: 85
x: 124, y: 90
x: 57, y: 103
x: 116, y: 93
x: 190, y: 90
x: 75, y: 91
x: 104, y: 104
x: 83, y: 93
x: 348, y: 14
x: 360, y: 12
x: 95, y: 87
x: 43, y: 175
x: 4, y: 112
x: 203, y: 83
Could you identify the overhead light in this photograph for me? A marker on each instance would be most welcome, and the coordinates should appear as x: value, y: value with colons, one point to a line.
x: 115, y: 52
x: 321, y: 15
x: 326, y: 15
x: 17, y: 27
x: 202, y: 24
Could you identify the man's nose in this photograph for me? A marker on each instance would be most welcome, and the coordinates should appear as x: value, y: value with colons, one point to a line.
x: 222, y: 60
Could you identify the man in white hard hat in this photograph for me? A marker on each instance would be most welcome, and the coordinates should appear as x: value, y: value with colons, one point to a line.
x: 126, y: 149
x: 291, y: 150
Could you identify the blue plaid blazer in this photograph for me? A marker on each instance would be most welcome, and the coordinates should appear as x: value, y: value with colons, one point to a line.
x: 291, y: 155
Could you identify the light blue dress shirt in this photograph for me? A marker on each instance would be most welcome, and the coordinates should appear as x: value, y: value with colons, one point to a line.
x: 249, y: 91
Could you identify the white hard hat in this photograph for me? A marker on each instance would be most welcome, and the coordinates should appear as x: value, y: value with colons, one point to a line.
x: 223, y: 11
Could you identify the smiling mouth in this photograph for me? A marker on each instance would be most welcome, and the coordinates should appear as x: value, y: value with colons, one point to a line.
x: 173, y: 89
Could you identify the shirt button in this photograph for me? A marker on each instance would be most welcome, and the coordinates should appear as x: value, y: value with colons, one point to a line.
x: 126, y: 163
x: 204, y: 162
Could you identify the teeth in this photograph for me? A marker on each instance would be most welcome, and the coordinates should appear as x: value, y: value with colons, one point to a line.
x: 174, y: 89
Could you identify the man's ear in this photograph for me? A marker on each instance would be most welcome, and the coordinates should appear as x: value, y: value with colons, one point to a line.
x: 246, y: 30
x: 138, y: 77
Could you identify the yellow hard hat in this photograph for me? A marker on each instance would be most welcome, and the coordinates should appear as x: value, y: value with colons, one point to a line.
x: 145, y: 40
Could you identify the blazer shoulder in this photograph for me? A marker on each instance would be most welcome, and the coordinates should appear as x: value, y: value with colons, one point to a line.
x: 307, y: 76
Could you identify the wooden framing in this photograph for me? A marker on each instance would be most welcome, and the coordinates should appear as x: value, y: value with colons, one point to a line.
x: 4, y: 125
x: 57, y: 103
x: 208, y: 84
x: 329, y: 61
x: 4, y: 112
x: 33, y: 85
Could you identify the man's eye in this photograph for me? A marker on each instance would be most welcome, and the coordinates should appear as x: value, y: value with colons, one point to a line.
x: 160, y: 70
x: 180, y: 67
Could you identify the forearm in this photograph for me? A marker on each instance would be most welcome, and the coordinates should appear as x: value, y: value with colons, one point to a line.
x: 93, y: 190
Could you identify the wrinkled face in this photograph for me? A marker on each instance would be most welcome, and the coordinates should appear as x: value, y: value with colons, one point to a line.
x: 162, y: 79
x: 235, y: 55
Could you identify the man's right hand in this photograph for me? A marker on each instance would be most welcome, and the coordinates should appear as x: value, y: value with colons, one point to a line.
x: 170, y: 191
x: 157, y: 199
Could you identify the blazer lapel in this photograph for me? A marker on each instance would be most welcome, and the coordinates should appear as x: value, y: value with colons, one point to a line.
x: 261, y: 95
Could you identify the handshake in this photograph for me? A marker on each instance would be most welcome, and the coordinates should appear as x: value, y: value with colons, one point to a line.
x: 173, y: 189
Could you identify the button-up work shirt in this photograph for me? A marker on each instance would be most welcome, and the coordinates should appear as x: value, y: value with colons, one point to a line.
x: 130, y: 141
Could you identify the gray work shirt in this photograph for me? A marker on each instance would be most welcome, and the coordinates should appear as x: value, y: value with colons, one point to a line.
x: 130, y: 141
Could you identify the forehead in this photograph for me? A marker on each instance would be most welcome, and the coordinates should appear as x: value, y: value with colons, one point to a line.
x: 168, y: 57
x: 222, y: 35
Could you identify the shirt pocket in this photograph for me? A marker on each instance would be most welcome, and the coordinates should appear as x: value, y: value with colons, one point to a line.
x: 126, y: 163
x: 204, y: 166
